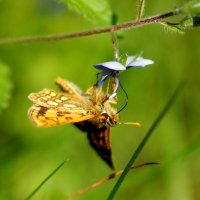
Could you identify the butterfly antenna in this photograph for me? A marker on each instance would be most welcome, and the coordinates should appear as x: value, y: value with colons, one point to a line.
x: 125, y: 95
x: 97, y: 82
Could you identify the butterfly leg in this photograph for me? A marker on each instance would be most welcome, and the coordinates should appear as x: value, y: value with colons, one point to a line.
x: 108, y: 87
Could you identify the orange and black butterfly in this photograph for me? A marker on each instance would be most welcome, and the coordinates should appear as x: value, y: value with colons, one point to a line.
x: 91, y: 112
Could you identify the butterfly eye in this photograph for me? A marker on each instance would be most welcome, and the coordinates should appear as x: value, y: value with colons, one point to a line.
x: 104, y: 116
x: 107, y: 119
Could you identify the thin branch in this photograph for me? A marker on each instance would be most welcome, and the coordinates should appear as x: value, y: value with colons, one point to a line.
x: 64, y: 36
x: 103, y: 180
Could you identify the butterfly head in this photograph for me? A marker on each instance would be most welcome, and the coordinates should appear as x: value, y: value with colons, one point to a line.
x: 108, y: 120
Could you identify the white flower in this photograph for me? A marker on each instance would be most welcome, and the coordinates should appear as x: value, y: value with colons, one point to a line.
x: 113, y: 68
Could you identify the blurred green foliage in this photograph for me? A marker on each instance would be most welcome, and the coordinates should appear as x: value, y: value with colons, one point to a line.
x: 29, y: 154
x: 5, y: 86
x: 97, y: 11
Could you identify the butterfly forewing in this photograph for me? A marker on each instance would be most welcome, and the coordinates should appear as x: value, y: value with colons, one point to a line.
x: 49, y: 98
x: 53, y: 108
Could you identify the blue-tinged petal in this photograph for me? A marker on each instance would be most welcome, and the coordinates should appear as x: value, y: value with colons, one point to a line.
x: 138, y: 62
x: 111, y: 65
x: 104, y: 77
x: 101, y: 67
x: 112, y: 95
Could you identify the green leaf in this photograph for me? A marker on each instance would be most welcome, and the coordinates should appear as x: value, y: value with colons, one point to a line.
x: 172, y: 27
x: 191, y: 21
x: 97, y: 11
x: 5, y: 86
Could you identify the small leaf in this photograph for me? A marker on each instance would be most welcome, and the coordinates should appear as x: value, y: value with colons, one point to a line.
x: 123, y: 58
x: 97, y: 11
x: 114, y: 19
x: 172, y: 27
x: 191, y: 21
x: 5, y: 86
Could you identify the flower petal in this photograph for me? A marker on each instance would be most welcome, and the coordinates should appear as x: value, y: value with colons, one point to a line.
x: 111, y: 65
x: 130, y: 59
x: 138, y: 62
x: 104, y: 77
x: 112, y: 95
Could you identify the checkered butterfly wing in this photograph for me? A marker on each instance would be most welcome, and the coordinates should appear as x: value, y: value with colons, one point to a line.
x: 53, y: 108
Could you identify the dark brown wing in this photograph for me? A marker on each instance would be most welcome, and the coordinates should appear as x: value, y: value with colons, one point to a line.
x: 99, y: 139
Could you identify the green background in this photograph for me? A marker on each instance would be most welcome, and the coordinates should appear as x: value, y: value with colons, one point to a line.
x: 28, y: 154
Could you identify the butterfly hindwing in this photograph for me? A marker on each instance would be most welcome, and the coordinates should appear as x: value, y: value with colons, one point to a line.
x: 99, y: 138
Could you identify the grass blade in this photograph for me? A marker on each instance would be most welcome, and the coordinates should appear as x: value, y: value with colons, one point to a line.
x: 44, y: 181
x: 143, y: 142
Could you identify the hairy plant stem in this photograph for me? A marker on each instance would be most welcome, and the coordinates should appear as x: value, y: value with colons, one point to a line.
x: 140, y: 10
x: 64, y: 36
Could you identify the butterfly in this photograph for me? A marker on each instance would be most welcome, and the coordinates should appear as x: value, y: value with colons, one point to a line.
x: 91, y: 112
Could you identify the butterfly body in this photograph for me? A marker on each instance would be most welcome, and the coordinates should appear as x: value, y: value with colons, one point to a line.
x: 91, y: 112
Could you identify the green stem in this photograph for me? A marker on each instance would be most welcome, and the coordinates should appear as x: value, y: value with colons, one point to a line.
x: 64, y: 36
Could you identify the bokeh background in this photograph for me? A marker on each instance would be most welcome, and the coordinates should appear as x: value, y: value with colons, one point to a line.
x: 29, y: 154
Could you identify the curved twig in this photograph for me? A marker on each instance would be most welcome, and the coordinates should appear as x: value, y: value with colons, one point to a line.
x: 107, y: 178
